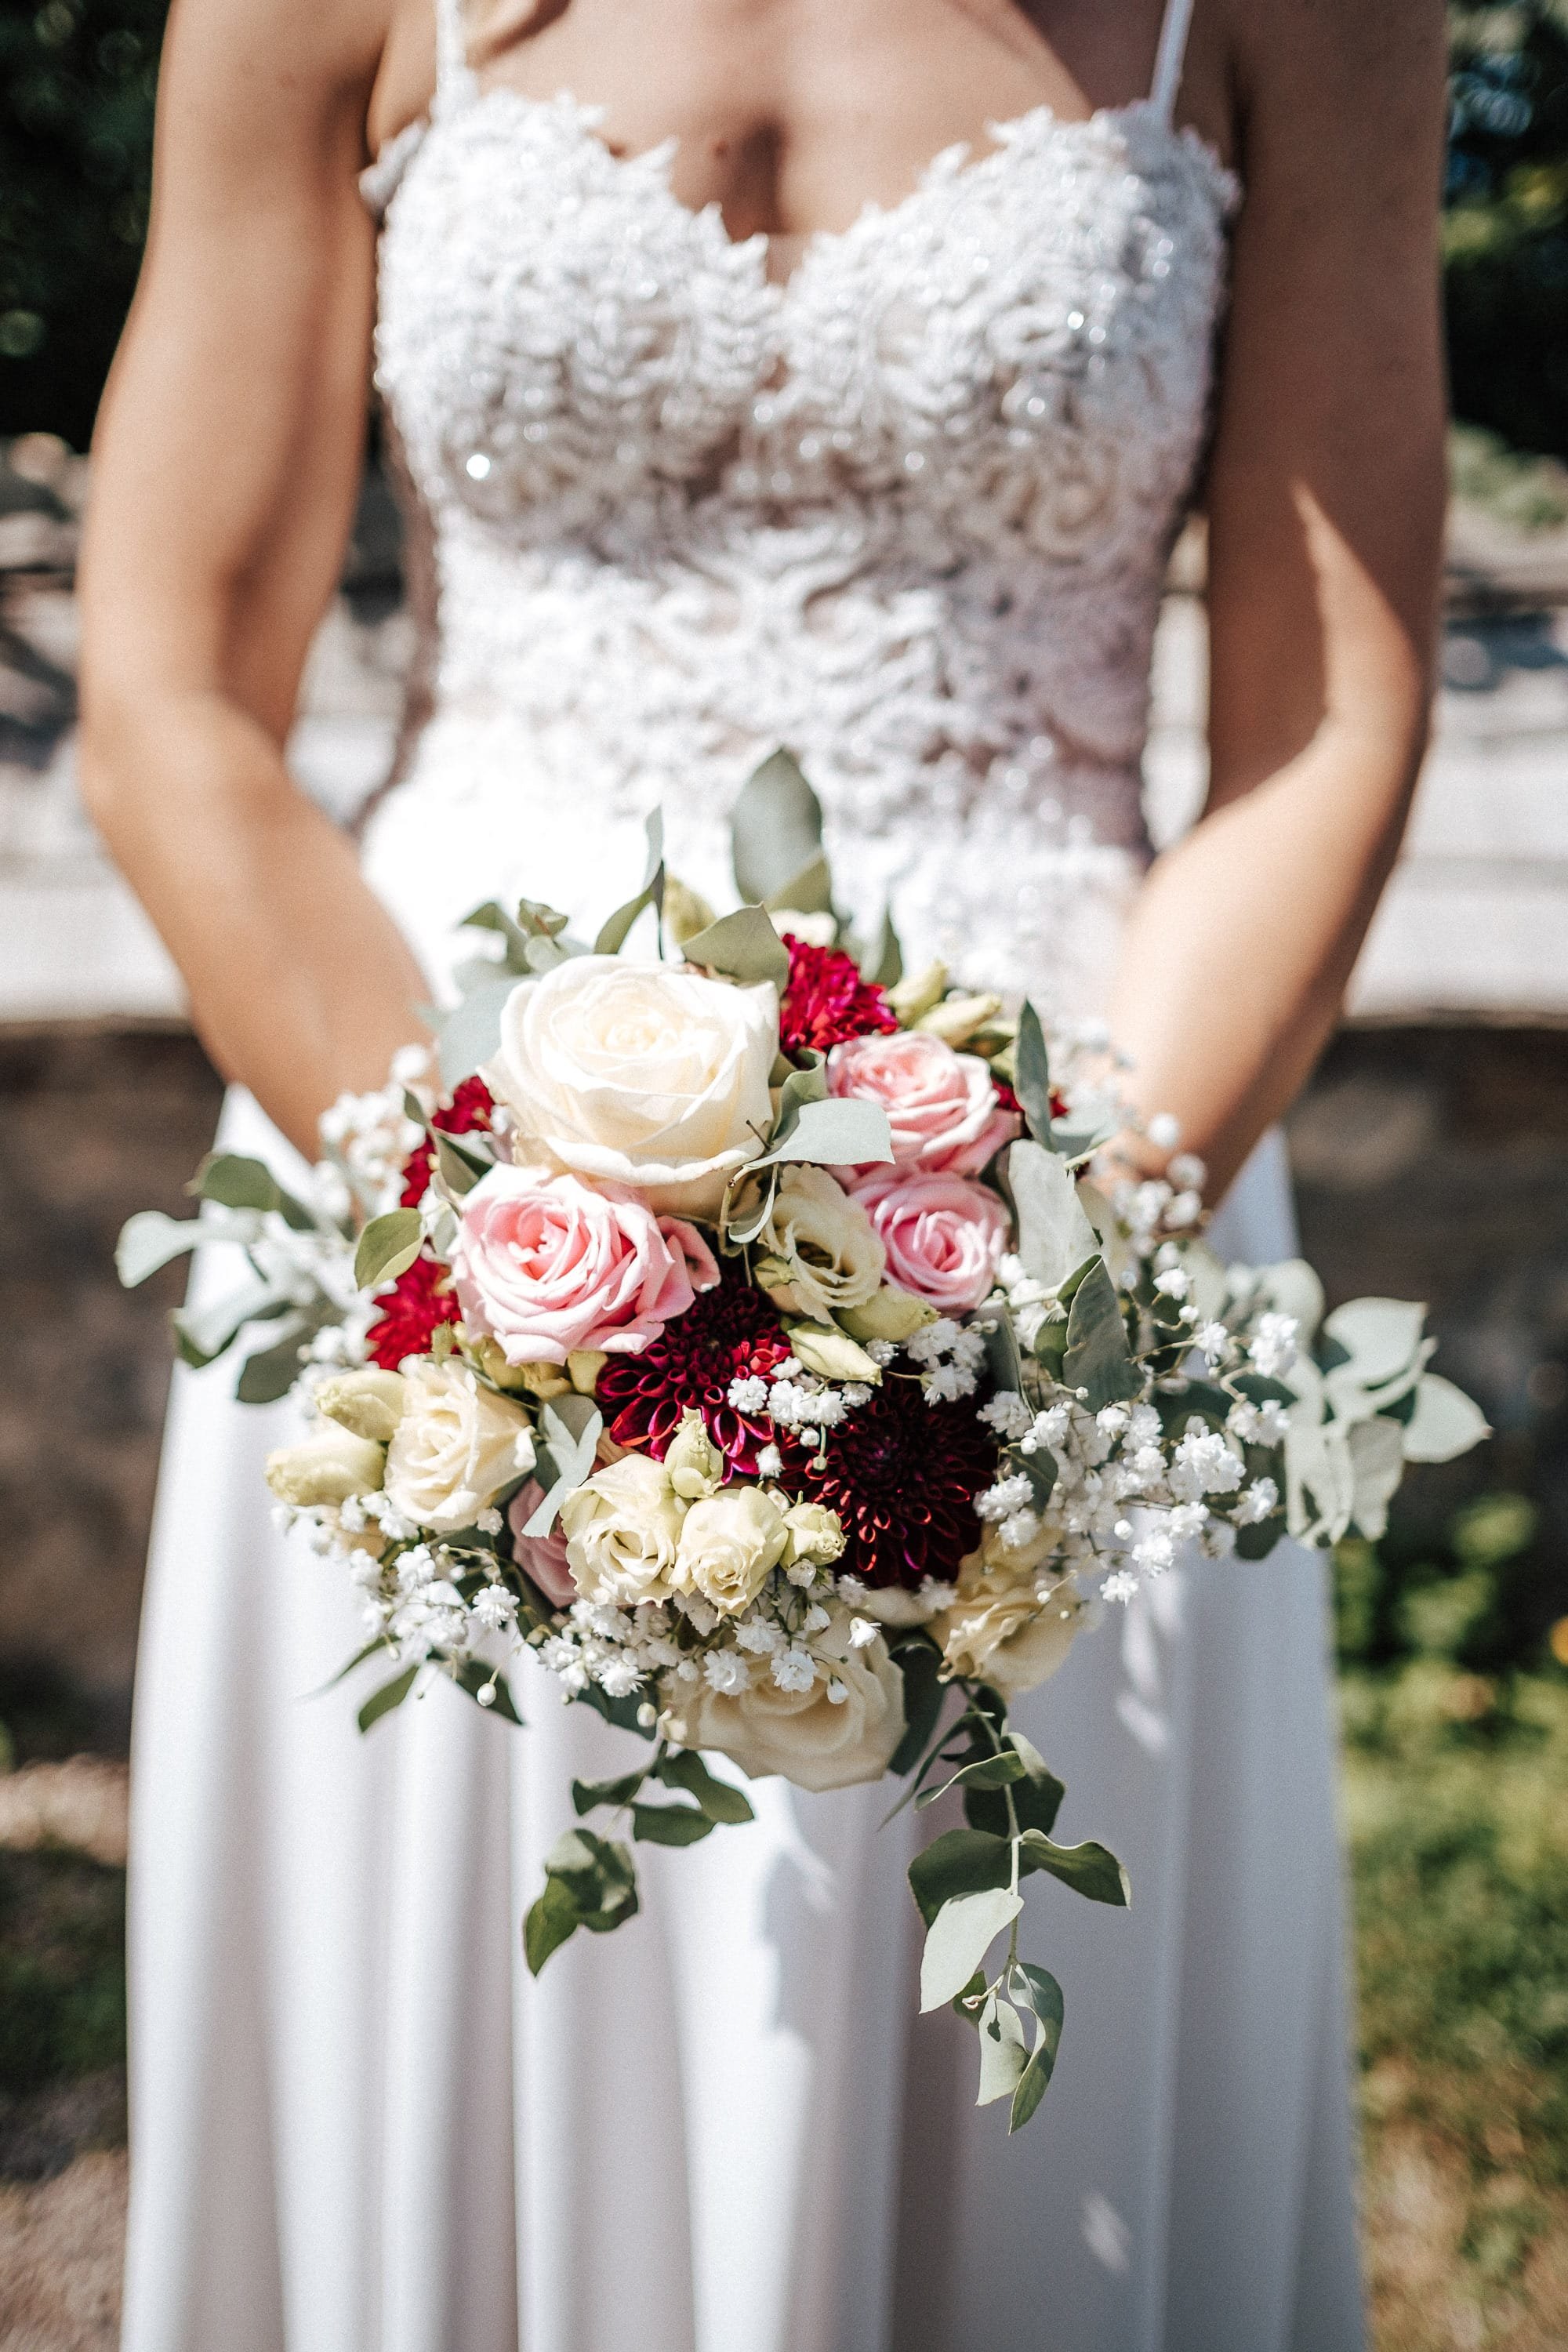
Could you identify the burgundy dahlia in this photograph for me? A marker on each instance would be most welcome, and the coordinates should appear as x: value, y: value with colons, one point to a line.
x: 827, y: 1001
x: 900, y: 1474
x: 728, y: 1333
x: 469, y: 1108
x: 410, y: 1313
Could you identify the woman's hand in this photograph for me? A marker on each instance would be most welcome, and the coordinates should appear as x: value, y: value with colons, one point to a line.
x: 1325, y: 505
x: 224, y: 471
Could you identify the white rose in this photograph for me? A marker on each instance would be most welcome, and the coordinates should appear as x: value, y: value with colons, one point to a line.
x: 824, y: 1255
x: 639, y: 1075
x: 622, y: 1529
x: 728, y: 1545
x: 1000, y: 1631
x: 455, y: 1447
x: 327, y: 1467
x: 806, y: 1736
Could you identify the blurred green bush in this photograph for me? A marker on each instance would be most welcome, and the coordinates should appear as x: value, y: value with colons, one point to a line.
x: 1485, y: 1595
x: 76, y: 80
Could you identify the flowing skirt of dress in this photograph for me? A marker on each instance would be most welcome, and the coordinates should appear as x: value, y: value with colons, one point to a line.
x: 359, y: 2127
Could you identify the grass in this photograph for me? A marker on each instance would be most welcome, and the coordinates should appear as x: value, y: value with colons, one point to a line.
x: 1457, y: 1805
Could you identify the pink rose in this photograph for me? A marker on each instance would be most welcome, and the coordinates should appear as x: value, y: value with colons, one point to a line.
x: 548, y: 1266
x: 543, y: 1558
x: 941, y: 1106
x: 943, y: 1235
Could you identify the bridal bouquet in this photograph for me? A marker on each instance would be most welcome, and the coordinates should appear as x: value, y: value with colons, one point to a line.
x: 746, y: 1336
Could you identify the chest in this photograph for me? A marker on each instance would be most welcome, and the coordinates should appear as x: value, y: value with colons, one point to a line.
x: 1022, y: 343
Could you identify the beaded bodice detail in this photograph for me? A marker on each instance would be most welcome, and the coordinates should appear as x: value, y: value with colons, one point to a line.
x: 906, y: 511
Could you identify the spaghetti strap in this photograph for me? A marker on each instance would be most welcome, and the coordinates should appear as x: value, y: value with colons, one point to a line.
x: 1168, y: 58
x: 456, y: 82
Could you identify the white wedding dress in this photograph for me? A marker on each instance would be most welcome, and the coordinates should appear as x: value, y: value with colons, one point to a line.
x: 908, y: 513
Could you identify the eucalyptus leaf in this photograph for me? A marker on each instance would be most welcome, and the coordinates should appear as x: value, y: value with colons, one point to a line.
x: 1032, y: 1075
x: 809, y: 892
x: 884, y: 965
x: 387, y: 1247
x: 844, y: 1132
x: 1380, y: 1335
x: 1089, y: 1869
x: 984, y: 1772
x: 959, y: 1938
x: 470, y: 1035
x: 960, y: 1862
x: 920, y: 1663
x: 1055, y: 1237
x: 1038, y: 1990
x: 461, y: 1167
x: 491, y: 917
x: 150, y: 1240
x: 614, y: 933
x: 775, y: 830
x: 1377, y: 1465
x: 1445, y: 1422
x: 202, y: 1333
x: 272, y: 1371
x: 1291, y: 1287
x: 745, y: 947
x: 1098, y: 1358
x: 393, y: 1693
x: 588, y: 1795
x: 570, y: 1427
x: 1003, y: 2053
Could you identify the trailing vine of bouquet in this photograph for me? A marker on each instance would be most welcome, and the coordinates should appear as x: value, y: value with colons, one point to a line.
x: 747, y: 1336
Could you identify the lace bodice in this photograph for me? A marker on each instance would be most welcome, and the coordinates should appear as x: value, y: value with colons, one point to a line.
x: 908, y: 511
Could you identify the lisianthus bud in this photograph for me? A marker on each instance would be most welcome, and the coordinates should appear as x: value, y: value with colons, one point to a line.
x: 583, y: 1366
x: 824, y: 1349
x: 326, y: 1468
x: 367, y: 1401
x: 956, y: 1018
x: 912, y: 997
x: 694, y: 1463
x: 892, y: 1314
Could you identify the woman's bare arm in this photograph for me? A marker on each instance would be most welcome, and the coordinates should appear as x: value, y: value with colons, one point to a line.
x: 224, y: 471
x: 1325, y: 507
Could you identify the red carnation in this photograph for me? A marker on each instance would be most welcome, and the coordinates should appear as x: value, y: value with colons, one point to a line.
x: 901, y: 1475
x: 469, y: 1109
x: 728, y: 1333
x: 411, y: 1312
x: 826, y: 1000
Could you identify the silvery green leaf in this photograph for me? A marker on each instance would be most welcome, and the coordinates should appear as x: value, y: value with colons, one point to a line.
x: 493, y: 917
x: 960, y: 1862
x: 1089, y: 1869
x: 150, y: 1240
x: 1320, y: 1484
x: 1291, y: 1287
x: 1210, y: 1288
x: 462, y: 1162
x: 884, y: 962
x: 808, y: 1083
x: 1029, y: 1756
x: 1040, y: 1990
x: 744, y: 946
x: 387, y: 1247
x: 588, y: 1795
x: 1055, y: 1237
x: 984, y: 1772
x: 1003, y: 2055
x: 844, y: 1130
x: 775, y: 830
x: 234, y: 1182
x: 569, y: 1427
x: 470, y: 1035
x: 1377, y: 1465
x: 1380, y: 1335
x: 202, y: 1333
x: 1097, y: 1358
x: 809, y: 892
x: 740, y: 1229
x: 382, y: 1702
x: 613, y: 934
x: 958, y: 1940
x: 1445, y: 1422
x: 272, y: 1371
x: 1032, y: 1075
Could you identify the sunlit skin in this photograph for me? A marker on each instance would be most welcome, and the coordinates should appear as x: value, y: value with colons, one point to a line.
x: 229, y: 447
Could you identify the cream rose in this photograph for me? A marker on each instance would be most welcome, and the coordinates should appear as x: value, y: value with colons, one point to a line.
x: 327, y: 1467
x: 822, y: 1255
x: 455, y: 1447
x: 809, y: 1736
x: 639, y: 1075
x: 622, y: 1531
x: 999, y: 1630
x: 728, y: 1545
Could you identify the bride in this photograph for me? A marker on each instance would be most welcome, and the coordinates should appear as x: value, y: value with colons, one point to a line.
x: 833, y: 372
